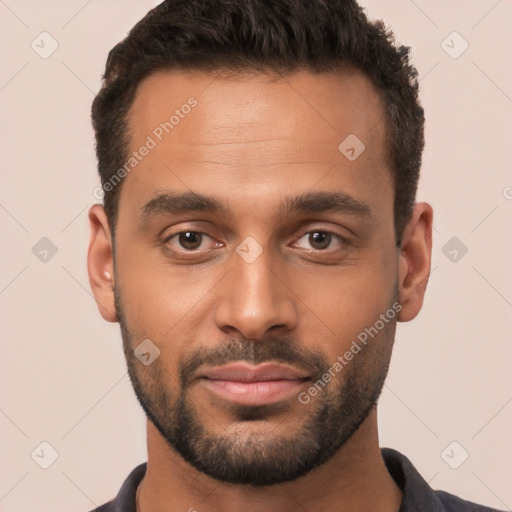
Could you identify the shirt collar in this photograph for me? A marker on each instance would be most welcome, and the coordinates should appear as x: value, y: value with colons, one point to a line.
x: 417, y: 494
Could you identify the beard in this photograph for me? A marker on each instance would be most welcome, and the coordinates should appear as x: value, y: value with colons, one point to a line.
x: 253, y: 450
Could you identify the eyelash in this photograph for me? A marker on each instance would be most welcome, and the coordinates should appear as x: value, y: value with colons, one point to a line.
x: 342, y: 240
x: 175, y: 235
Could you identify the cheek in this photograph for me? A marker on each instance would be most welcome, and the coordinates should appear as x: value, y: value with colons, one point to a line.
x: 160, y: 301
x: 341, y: 302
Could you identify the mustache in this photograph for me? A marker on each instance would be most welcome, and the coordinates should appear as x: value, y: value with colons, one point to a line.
x: 271, y: 349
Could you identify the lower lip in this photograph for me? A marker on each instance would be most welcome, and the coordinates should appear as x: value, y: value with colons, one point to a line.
x: 255, y: 393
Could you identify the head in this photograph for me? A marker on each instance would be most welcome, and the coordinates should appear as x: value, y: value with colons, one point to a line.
x: 260, y: 163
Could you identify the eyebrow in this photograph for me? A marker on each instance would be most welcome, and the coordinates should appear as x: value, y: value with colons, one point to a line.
x: 319, y: 202
x: 173, y: 203
x: 169, y: 203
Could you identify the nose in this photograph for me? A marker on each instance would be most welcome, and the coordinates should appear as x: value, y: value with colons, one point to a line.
x: 254, y: 299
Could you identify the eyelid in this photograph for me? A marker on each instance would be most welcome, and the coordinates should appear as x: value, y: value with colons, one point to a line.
x: 196, y: 226
x: 305, y: 230
x: 342, y: 239
x: 215, y: 244
x: 182, y: 251
x: 185, y: 230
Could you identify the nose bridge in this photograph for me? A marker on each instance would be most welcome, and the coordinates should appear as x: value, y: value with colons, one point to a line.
x: 254, y: 299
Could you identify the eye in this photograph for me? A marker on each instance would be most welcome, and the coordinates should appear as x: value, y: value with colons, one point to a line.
x: 319, y: 240
x: 188, y: 240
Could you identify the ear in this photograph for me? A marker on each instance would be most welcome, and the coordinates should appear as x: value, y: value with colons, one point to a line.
x: 414, y: 261
x: 100, y: 263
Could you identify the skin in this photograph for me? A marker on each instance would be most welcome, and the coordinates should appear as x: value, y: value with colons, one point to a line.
x: 251, y: 141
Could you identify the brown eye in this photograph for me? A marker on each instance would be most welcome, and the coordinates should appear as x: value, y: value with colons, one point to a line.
x: 190, y: 239
x: 191, y: 244
x: 319, y: 239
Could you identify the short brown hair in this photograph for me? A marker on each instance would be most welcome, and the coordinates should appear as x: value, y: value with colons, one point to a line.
x: 278, y: 35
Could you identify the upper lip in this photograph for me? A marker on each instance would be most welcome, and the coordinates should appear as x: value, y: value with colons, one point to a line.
x: 243, y: 372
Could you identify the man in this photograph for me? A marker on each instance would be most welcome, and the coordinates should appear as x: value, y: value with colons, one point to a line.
x: 258, y: 242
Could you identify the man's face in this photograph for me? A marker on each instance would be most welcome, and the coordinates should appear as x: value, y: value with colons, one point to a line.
x: 276, y: 259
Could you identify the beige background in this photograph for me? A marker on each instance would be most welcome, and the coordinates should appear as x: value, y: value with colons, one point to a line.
x: 62, y: 371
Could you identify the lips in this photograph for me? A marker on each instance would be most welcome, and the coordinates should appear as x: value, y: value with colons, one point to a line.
x: 246, y: 384
x: 242, y: 372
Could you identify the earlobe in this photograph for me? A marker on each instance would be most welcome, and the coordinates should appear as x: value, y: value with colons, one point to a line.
x: 414, y: 261
x: 100, y: 264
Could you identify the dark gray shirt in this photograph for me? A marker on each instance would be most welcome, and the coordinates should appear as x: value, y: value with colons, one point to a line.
x: 418, y: 496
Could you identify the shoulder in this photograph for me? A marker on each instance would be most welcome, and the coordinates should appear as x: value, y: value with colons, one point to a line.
x: 417, y: 493
x: 125, y: 499
x: 453, y: 503
x: 107, y: 507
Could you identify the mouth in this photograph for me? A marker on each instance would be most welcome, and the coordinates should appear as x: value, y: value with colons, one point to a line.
x: 244, y: 384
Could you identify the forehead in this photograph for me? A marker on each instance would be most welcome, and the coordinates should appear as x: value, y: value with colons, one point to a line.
x: 259, y: 131
x: 331, y: 103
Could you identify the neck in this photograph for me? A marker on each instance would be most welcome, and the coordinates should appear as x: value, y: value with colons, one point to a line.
x: 354, y: 479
